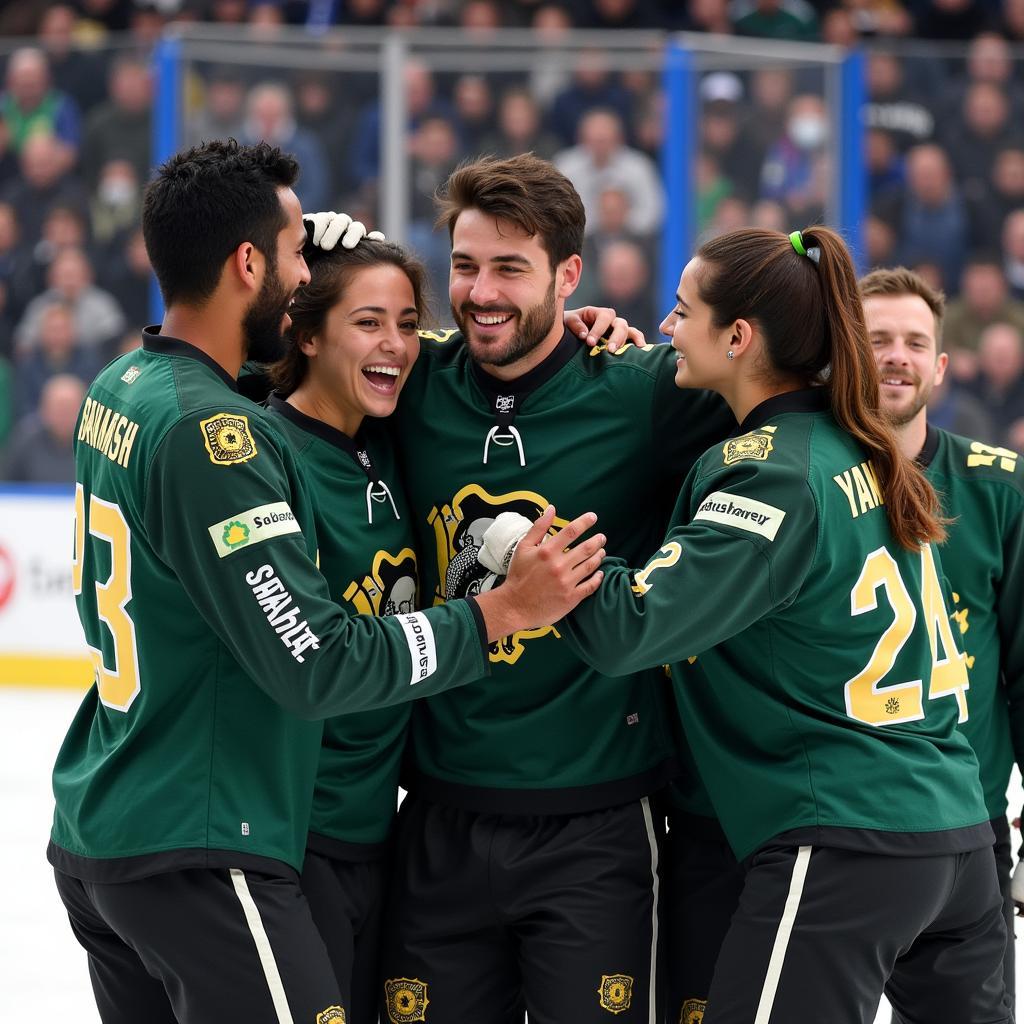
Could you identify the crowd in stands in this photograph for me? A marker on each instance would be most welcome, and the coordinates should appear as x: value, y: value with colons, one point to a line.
x: 944, y: 149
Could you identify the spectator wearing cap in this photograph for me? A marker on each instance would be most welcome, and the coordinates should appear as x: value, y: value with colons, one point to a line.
x: 44, y: 181
x: 602, y: 160
x: 724, y: 134
x: 519, y: 129
x: 98, y: 318
x: 120, y: 128
x: 30, y: 105
x: 775, y: 19
x: 57, y: 352
x: 40, y: 447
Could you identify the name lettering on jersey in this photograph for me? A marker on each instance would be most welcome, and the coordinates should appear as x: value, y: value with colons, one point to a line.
x: 228, y: 439
x: 419, y: 635
x: 107, y: 431
x: 281, y: 611
x: 749, y: 446
x: 248, y: 528
x: 860, y: 485
x: 985, y: 455
x: 459, y: 529
x: 743, y: 513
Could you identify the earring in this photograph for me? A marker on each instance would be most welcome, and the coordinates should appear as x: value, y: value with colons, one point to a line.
x: 730, y: 354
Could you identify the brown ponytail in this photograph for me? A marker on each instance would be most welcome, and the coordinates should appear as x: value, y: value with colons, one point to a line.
x: 812, y: 321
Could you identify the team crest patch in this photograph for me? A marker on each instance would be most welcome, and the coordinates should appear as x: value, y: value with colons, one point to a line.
x: 406, y: 1000
x: 693, y: 1011
x: 750, y: 446
x: 616, y: 992
x: 131, y: 375
x: 332, y: 1015
x: 228, y: 439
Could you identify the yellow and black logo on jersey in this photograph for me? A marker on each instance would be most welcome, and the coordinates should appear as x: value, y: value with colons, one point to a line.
x: 332, y: 1015
x: 693, y: 1011
x: 389, y: 588
x: 749, y: 446
x: 406, y: 1000
x: 228, y: 439
x: 616, y: 992
x: 439, y: 336
x: 459, y: 530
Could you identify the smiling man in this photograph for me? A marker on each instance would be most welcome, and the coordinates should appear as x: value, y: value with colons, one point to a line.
x: 527, y: 851
x: 982, y: 492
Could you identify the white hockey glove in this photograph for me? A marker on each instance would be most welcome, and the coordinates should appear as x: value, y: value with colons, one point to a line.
x: 500, y: 540
x: 324, y: 229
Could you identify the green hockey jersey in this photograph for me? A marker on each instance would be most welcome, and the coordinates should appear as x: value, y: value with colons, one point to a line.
x: 982, y: 491
x: 216, y: 644
x: 365, y: 532
x: 833, y: 682
x: 586, y: 431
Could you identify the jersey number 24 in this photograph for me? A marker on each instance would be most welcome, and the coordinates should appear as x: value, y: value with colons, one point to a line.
x: 866, y: 700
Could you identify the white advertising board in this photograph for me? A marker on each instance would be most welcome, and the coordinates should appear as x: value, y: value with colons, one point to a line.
x: 41, y: 639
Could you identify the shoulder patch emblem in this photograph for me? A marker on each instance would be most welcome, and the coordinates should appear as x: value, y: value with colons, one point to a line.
x: 749, y: 446
x: 228, y: 439
x: 131, y: 375
x: 406, y: 1000
x: 693, y: 1011
x: 332, y: 1015
x: 616, y: 992
x: 986, y: 455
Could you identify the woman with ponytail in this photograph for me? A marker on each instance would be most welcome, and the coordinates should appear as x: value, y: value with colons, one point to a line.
x: 818, y: 681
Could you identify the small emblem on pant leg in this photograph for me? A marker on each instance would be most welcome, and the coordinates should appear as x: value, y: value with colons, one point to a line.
x: 616, y: 992
x: 332, y: 1015
x: 406, y: 1000
x: 693, y: 1011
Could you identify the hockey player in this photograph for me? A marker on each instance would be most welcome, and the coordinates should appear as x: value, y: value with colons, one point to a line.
x: 527, y: 849
x: 798, y: 572
x: 183, y: 786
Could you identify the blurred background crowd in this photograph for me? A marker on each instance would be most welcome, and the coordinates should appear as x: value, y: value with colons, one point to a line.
x: 945, y: 152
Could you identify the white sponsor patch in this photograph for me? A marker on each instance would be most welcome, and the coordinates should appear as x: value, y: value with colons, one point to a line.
x: 248, y: 528
x: 420, y: 637
x: 743, y: 513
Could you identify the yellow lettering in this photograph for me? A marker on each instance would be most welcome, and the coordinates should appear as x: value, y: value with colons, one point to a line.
x: 126, y: 444
x: 115, y: 440
x: 90, y: 427
x: 843, y: 479
x: 863, y: 494
x: 869, y: 475
x: 85, y: 419
x: 107, y: 431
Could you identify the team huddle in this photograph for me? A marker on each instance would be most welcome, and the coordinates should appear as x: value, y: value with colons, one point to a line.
x: 739, y: 757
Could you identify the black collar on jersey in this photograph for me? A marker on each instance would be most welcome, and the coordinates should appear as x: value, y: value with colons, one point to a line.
x: 506, y: 398
x: 931, y: 446
x: 805, y: 400
x: 154, y: 341
x: 377, y: 491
